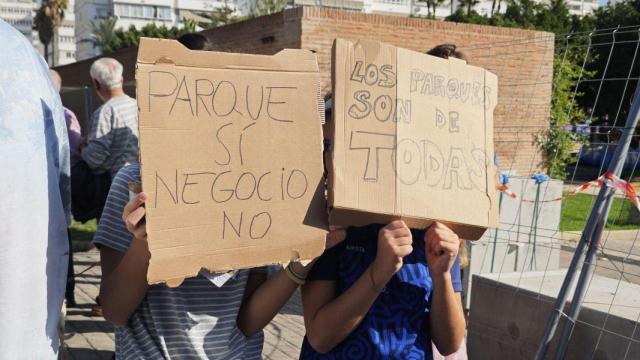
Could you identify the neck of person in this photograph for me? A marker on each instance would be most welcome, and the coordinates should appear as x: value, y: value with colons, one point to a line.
x: 115, y: 92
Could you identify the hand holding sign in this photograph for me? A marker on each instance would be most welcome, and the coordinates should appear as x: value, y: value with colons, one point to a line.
x: 394, y: 243
x: 133, y: 216
x: 335, y: 236
x: 441, y: 246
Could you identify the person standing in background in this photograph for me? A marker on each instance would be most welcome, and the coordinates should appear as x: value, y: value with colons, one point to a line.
x: 75, y: 138
x: 35, y: 206
x: 112, y: 140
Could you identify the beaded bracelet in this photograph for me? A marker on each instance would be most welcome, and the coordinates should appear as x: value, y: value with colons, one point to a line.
x: 293, y: 275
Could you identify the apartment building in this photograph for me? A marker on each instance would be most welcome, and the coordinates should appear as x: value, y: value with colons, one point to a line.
x: 140, y: 13
x: 20, y: 14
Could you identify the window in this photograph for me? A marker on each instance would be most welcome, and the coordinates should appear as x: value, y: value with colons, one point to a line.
x: 164, y: 13
x: 102, y: 13
x: 143, y: 11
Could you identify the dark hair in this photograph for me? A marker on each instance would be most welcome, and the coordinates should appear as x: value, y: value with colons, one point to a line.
x: 446, y: 51
x: 194, y: 41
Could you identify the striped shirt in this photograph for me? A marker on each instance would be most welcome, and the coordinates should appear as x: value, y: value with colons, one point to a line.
x: 196, y: 320
x: 112, y: 140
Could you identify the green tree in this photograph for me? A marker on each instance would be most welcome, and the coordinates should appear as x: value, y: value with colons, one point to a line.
x: 554, y: 17
x: 219, y: 16
x: 103, y: 34
x: 557, y: 143
x: 266, y: 7
x: 615, y: 51
x: 493, y: 6
x: 468, y: 5
x: 49, y: 17
x: 111, y: 40
x: 431, y: 6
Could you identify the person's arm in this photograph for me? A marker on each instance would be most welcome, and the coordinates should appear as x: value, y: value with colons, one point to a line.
x: 329, y: 319
x: 265, y: 297
x: 124, y: 275
x: 446, y: 323
x: 99, y: 139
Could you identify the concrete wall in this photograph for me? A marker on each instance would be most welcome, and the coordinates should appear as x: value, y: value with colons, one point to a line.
x: 507, y: 322
x: 522, y: 59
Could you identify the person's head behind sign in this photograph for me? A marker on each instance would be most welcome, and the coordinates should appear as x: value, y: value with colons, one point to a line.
x: 195, y: 41
x: 106, y: 75
x: 446, y: 51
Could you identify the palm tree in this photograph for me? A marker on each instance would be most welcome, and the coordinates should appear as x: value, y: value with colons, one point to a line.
x: 431, y: 6
x: 103, y: 33
x: 48, y: 18
x: 469, y: 4
x: 493, y: 6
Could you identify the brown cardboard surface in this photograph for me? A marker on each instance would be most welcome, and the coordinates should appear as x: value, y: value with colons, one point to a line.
x: 412, y: 140
x: 231, y: 154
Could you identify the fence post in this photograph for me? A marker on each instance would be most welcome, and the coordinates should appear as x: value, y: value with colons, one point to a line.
x: 588, y: 268
x: 590, y: 238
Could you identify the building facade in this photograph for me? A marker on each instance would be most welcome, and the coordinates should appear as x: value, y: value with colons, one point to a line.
x: 140, y: 13
x: 419, y: 8
x: 21, y: 13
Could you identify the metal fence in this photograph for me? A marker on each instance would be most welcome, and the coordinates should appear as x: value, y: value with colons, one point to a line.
x: 517, y: 271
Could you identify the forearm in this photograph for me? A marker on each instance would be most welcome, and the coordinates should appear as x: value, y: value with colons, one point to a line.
x: 265, y: 302
x: 447, y: 323
x: 123, y: 289
x: 333, y: 322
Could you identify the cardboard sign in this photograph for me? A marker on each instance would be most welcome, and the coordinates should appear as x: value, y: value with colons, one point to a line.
x: 413, y: 139
x: 231, y: 154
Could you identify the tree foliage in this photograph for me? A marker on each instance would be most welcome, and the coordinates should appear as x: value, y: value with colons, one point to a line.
x: 219, y: 16
x: 266, y: 7
x: 431, y: 6
x: 614, y: 51
x: 557, y: 143
x: 48, y: 18
x: 111, y: 40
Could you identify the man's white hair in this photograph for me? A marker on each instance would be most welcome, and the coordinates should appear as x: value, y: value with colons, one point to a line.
x: 108, y: 72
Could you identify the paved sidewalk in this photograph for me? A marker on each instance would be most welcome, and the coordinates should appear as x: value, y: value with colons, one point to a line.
x: 91, y: 338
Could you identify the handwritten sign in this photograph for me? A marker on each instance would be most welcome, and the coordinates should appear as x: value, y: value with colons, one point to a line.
x: 231, y: 158
x: 413, y: 139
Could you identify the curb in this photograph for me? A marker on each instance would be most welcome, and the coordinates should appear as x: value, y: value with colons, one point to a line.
x: 612, y: 234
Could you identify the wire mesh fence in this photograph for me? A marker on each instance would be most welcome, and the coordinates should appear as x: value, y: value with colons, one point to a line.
x: 565, y: 116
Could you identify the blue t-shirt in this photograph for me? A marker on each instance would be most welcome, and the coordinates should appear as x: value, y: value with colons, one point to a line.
x: 397, y: 324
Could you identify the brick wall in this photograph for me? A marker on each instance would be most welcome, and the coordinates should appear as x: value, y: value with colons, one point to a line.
x: 522, y: 59
x: 264, y: 35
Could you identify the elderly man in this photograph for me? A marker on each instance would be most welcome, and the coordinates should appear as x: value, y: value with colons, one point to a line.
x: 112, y: 141
x: 34, y: 188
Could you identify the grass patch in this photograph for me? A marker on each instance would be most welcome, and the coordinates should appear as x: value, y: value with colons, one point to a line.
x: 576, y: 210
x: 83, y: 232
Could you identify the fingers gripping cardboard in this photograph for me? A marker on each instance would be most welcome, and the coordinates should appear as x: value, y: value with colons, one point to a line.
x: 231, y: 156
